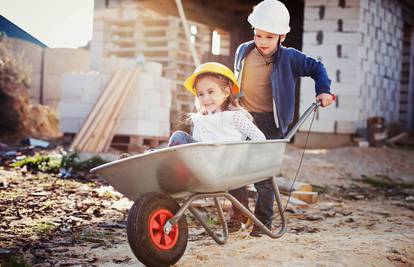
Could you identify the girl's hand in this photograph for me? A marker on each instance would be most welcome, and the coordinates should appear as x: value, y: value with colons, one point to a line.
x: 325, y: 99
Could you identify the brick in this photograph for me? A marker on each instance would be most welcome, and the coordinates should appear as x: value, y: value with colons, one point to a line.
x: 346, y: 127
x: 351, y: 114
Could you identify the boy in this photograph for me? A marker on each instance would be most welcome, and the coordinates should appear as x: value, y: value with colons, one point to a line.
x: 267, y: 73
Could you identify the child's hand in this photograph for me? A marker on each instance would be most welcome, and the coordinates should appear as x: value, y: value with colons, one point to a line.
x: 325, y: 99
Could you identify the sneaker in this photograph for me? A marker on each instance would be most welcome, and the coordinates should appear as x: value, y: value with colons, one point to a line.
x: 258, y: 232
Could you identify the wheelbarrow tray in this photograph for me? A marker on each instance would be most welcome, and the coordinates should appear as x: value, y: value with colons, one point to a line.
x: 195, y: 168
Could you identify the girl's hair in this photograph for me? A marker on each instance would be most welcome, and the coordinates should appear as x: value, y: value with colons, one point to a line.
x: 231, y: 102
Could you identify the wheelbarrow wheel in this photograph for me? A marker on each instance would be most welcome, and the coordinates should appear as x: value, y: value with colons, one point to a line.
x: 146, y: 220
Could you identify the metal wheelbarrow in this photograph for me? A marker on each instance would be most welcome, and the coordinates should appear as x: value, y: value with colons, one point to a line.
x: 159, y: 180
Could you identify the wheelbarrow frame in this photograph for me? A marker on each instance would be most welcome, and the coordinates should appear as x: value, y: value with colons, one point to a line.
x: 189, y: 197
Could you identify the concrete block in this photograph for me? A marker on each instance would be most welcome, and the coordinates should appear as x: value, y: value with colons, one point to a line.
x: 309, y: 38
x: 63, y: 60
x: 350, y: 89
x: 52, y: 89
x: 153, y: 68
x: 69, y: 125
x: 332, y: 3
x: 164, y: 128
x: 146, y: 82
x: 330, y: 25
x: 340, y: 63
x: 151, y: 98
x: 339, y: 114
x: 348, y: 102
x: 111, y: 65
x: 138, y: 127
x: 74, y: 110
x: 160, y: 114
x: 332, y: 13
x: 326, y: 126
x: 98, y: 36
x: 98, y: 25
x: 346, y: 127
x: 34, y: 89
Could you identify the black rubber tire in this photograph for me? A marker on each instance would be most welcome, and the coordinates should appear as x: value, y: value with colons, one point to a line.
x: 138, y: 230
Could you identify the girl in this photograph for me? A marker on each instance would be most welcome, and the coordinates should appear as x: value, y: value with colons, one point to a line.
x: 219, y: 118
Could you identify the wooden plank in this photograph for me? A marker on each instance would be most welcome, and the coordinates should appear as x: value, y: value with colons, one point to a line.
x: 101, y: 115
x: 101, y: 123
x: 285, y: 185
x: 118, y: 111
x: 89, y: 119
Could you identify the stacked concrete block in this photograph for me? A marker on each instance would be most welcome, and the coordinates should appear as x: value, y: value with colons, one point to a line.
x: 80, y: 92
x: 380, y: 59
x: 57, y: 61
x: 353, y: 39
x: 147, y: 112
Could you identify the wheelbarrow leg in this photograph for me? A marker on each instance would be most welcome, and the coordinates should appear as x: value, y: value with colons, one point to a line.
x: 223, y: 223
x: 256, y: 221
x: 187, y: 205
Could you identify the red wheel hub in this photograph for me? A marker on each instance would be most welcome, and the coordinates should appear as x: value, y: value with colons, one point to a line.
x: 156, y: 228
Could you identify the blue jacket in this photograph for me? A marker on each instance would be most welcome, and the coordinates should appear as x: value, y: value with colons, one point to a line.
x: 289, y: 64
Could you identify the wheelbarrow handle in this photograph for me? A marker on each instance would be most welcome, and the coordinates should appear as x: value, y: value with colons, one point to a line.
x: 303, y: 118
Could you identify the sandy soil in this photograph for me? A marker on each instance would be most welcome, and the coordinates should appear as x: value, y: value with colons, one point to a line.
x: 353, y: 224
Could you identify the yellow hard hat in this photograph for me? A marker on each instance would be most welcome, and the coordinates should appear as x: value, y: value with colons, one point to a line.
x: 215, y: 68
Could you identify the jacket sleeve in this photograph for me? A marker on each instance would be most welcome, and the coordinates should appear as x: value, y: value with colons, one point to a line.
x: 309, y: 67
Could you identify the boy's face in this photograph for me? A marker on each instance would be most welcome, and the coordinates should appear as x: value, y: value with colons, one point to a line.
x: 266, y: 42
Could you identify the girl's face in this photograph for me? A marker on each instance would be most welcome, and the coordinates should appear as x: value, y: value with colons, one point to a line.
x: 266, y: 42
x: 210, y: 95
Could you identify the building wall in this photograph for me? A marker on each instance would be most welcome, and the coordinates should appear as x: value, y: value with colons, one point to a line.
x: 359, y: 42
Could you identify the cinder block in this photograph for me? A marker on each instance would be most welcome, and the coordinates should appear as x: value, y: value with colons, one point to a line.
x: 146, y: 82
x: 159, y: 114
x: 63, y: 60
x: 52, y: 87
x: 34, y: 89
x: 348, y: 102
x: 331, y: 113
x: 309, y: 38
x: 332, y: 13
x: 153, y: 68
x: 69, y: 125
x: 98, y: 36
x: 346, y: 127
x: 111, y: 65
x: 98, y: 25
x: 164, y: 128
x: 326, y: 126
x: 74, y: 110
x: 350, y: 89
x: 330, y: 25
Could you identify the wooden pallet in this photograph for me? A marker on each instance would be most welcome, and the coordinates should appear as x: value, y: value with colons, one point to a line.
x: 137, y: 143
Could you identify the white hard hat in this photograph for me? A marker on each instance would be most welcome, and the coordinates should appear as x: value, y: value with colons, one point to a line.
x: 270, y: 16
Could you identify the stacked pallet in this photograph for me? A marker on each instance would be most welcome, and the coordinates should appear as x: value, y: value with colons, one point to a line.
x: 124, y: 31
x: 99, y: 128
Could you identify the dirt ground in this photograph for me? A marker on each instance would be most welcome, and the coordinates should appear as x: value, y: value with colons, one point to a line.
x: 356, y: 222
